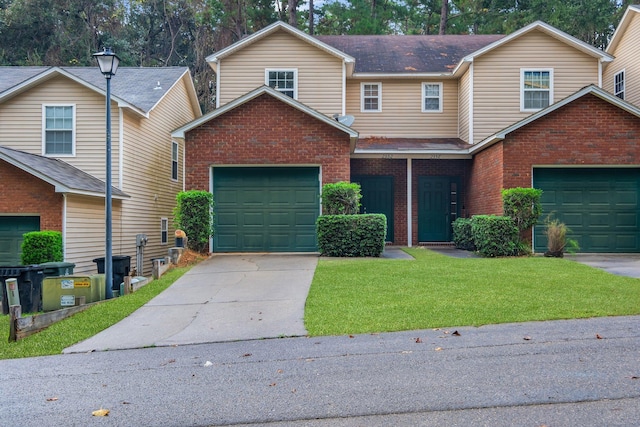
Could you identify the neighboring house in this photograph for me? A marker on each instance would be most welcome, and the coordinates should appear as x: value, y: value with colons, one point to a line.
x: 52, y: 158
x: 441, y: 125
x: 622, y: 76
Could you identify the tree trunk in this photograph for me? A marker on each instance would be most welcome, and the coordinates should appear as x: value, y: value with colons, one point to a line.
x: 311, y: 17
x: 293, y: 13
x: 444, y: 14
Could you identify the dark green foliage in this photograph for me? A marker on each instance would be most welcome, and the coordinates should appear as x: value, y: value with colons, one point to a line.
x: 351, y: 235
x: 495, y: 235
x: 341, y: 198
x: 523, y: 205
x: 462, y: 235
x: 194, y: 215
x: 41, y: 246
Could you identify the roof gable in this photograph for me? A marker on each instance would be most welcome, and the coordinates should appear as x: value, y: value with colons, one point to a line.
x: 64, y: 177
x: 215, y: 58
x: 588, y: 90
x: 262, y: 90
x: 140, y: 89
x: 622, y: 27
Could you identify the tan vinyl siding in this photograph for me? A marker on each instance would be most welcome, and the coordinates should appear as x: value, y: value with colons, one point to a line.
x: 319, y: 74
x: 85, y: 233
x: 21, y: 123
x: 463, y: 106
x: 147, y: 174
x: 401, y: 115
x: 627, y: 58
x: 496, y: 78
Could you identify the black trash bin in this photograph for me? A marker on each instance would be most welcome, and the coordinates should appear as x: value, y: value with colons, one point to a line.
x: 29, y: 286
x: 121, y: 265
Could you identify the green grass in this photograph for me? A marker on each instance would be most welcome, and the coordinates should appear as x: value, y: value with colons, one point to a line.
x: 351, y: 296
x: 85, y: 324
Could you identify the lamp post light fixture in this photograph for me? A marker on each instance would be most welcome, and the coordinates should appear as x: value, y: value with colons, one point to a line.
x: 108, y: 63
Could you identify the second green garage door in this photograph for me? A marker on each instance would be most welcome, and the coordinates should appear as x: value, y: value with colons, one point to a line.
x: 265, y: 209
x: 600, y: 206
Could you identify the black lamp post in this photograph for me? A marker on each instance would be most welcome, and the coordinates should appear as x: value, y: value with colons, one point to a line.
x: 108, y: 63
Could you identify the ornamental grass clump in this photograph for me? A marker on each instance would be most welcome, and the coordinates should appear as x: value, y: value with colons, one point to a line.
x: 557, y: 241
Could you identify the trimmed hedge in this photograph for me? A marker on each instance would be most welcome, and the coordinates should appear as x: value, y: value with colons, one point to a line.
x: 462, y: 235
x: 351, y: 235
x: 41, y: 246
x: 194, y: 215
x: 341, y: 198
x: 523, y: 205
x: 495, y: 235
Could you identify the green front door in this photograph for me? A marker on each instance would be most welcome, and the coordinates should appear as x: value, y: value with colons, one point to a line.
x: 11, y: 230
x: 437, y: 207
x: 265, y: 209
x: 600, y: 206
x: 377, y: 197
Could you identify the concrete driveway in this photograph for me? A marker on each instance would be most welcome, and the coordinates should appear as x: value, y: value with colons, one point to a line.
x: 224, y: 298
x: 620, y: 264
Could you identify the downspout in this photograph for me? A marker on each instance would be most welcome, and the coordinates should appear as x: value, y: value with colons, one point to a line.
x: 471, y: 141
x: 64, y: 226
x: 211, y: 191
x: 184, y: 164
x: 218, y: 85
x: 600, y: 73
x: 409, y: 197
x: 344, y: 88
x: 120, y: 147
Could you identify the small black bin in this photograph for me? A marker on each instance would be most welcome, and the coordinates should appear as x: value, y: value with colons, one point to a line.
x: 29, y: 286
x: 121, y: 266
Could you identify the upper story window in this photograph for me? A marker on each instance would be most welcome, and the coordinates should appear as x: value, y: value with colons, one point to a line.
x: 618, y: 84
x: 536, y: 89
x: 285, y: 81
x: 370, y: 97
x: 58, y: 130
x: 431, y: 97
x: 174, y: 160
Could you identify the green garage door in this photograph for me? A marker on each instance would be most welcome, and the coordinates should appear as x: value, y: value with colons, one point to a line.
x: 600, y: 206
x: 266, y: 209
x: 11, y: 230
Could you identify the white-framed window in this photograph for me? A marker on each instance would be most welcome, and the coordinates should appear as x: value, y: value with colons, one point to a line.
x: 618, y: 84
x: 174, y: 160
x: 285, y: 81
x: 536, y: 89
x: 431, y: 97
x: 370, y: 97
x: 164, y: 231
x: 59, y: 130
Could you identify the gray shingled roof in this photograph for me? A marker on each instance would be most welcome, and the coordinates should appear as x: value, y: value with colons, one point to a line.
x: 408, y: 54
x: 58, y: 173
x: 136, y: 86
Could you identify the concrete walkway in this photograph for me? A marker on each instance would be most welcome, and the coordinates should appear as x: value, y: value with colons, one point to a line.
x: 224, y: 298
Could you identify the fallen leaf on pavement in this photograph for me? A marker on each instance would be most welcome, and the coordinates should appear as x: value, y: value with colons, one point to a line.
x: 52, y: 399
x: 207, y: 364
x: 598, y: 336
x: 438, y: 348
x: 456, y: 333
x: 272, y: 385
x: 100, y: 413
x: 246, y: 355
x: 418, y: 340
x: 527, y: 338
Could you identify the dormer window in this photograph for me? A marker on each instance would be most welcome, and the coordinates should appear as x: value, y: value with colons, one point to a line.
x: 285, y: 81
x: 536, y: 89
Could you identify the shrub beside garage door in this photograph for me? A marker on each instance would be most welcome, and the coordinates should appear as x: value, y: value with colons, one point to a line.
x: 266, y: 209
x: 599, y: 205
x: 11, y: 230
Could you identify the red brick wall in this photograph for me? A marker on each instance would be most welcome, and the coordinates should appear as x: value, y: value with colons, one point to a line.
x: 265, y: 131
x: 24, y: 194
x: 586, y: 132
x: 398, y: 169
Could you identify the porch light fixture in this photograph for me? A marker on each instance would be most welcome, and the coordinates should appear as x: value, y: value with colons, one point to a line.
x: 108, y: 63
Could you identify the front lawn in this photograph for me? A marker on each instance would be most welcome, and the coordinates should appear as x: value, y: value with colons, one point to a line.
x: 350, y: 296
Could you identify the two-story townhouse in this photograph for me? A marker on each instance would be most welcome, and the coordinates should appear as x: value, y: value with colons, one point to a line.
x: 432, y: 127
x: 52, y: 158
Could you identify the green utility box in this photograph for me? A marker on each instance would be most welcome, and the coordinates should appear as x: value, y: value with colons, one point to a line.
x: 61, y: 291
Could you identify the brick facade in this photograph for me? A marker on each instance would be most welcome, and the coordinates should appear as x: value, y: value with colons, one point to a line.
x: 24, y: 194
x: 265, y: 131
x: 586, y: 132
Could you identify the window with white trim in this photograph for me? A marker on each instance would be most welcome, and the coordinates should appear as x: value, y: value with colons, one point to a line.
x: 174, y: 160
x: 164, y: 231
x: 431, y: 97
x: 370, y: 97
x: 536, y: 89
x: 58, y: 130
x: 618, y: 84
x: 285, y: 81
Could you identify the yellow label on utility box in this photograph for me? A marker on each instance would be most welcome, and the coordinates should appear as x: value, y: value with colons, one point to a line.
x: 82, y: 284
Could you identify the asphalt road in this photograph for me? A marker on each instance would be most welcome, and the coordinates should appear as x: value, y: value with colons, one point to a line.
x: 563, y: 373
